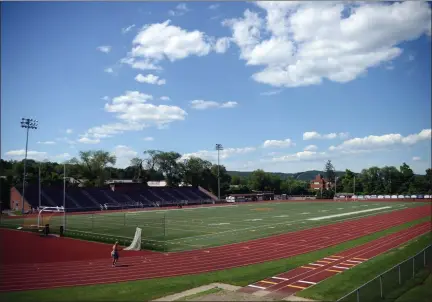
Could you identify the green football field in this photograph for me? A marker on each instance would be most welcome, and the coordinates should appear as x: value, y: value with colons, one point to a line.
x: 192, y: 228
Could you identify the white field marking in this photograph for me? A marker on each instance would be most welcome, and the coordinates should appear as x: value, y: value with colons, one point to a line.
x: 349, y: 213
x: 260, y: 226
x: 323, y: 210
x: 307, y: 282
x: 330, y: 259
x: 281, y: 216
x: 259, y: 287
x: 279, y: 278
x: 163, y: 211
x: 340, y: 208
x: 316, y: 264
x: 353, y: 261
x: 257, y: 219
x: 222, y: 223
x: 342, y: 267
x: 304, y: 213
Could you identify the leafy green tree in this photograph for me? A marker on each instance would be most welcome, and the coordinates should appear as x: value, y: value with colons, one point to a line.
x: 329, y: 171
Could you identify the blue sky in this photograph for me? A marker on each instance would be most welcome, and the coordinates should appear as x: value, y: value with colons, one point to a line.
x: 283, y: 86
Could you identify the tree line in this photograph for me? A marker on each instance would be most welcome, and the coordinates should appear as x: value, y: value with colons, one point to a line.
x: 94, y: 168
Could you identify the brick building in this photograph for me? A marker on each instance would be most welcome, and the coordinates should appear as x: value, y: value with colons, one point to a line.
x: 319, y: 182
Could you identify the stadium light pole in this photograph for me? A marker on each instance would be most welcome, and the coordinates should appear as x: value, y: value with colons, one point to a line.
x: 64, y: 196
x: 28, y: 124
x: 219, y: 148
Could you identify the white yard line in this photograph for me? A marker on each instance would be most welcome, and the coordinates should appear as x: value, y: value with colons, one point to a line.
x: 349, y: 213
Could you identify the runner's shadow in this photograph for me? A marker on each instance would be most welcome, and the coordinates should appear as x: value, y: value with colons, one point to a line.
x: 122, y: 265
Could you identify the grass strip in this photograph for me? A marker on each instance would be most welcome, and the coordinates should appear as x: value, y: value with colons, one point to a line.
x: 203, y: 293
x: 338, y: 286
x: 420, y: 292
x: 145, y: 290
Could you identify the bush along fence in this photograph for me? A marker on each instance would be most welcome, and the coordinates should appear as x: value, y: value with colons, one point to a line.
x: 379, y: 288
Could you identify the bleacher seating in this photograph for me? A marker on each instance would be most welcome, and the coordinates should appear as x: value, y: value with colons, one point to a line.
x: 91, y: 199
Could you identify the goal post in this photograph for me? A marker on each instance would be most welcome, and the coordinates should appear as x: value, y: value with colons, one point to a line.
x: 51, y: 211
x: 136, y: 242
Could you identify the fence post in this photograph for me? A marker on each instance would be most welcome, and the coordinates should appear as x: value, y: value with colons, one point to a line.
x: 92, y: 220
x: 424, y: 257
x: 413, y: 266
x: 124, y: 219
x: 358, y: 295
x: 381, y: 287
x: 400, y: 280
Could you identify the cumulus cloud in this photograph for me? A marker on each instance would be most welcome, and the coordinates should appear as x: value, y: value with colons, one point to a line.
x: 104, y: 48
x: 372, y: 142
x: 278, y: 143
x: 148, y: 139
x: 127, y: 29
x: 311, y: 148
x: 302, y: 156
x: 134, y: 113
x: 303, y: 43
x: 46, y: 143
x: 164, y: 98
x: 272, y: 92
x: 224, y: 154
x: 416, y: 158
x: 69, y: 131
x: 179, y: 10
x: 222, y: 45
x: 315, y: 135
x: 109, y: 70
x: 202, y: 105
x: 35, y: 155
x: 123, y: 155
x: 150, y: 79
x: 143, y: 64
x: 214, y: 6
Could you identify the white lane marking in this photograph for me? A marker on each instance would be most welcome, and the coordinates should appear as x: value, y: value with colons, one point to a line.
x: 316, y: 264
x: 222, y: 223
x: 342, y: 267
x: 307, y: 282
x: 353, y: 261
x: 279, y: 278
x: 257, y: 219
x: 280, y: 216
x: 331, y: 259
x: 349, y: 213
x: 259, y: 287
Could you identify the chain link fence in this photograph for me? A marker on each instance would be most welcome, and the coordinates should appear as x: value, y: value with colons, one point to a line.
x: 383, y: 285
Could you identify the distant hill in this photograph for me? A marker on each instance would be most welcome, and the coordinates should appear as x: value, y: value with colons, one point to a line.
x: 305, y: 176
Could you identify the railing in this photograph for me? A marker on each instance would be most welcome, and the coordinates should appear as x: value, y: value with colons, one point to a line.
x: 380, y: 287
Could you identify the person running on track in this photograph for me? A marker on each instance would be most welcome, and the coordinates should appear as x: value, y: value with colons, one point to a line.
x: 114, y: 253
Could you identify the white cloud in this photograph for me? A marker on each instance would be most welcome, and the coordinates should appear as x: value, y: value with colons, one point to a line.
x: 87, y: 140
x: 315, y: 135
x: 272, y: 92
x: 311, y: 148
x: 302, y: 156
x: 47, y: 143
x: 222, y: 45
x: 69, y: 131
x: 159, y: 41
x: 66, y: 140
x: 373, y: 142
x: 278, y: 143
x: 35, y: 155
x: 224, y: 154
x: 303, y: 43
x: 148, y: 139
x: 127, y: 29
x: 105, y: 48
x: 109, y: 70
x: 214, y: 6
x: 145, y: 64
x: 123, y: 155
x: 105, y: 98
x: 134, y: 114
x: 202, y: 105
x: 164, y: 98
x: 179, y: 10
x: 416, y: 158
x: 150, y: 79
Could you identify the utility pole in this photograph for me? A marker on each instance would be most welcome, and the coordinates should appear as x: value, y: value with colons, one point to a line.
x: 28, y: 124
x: 219, y: 148
x: 354, y: 186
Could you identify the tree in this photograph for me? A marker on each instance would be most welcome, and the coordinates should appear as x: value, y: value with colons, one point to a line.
x: 92, y: 166
x: 169, y: 165
x: 197, y: 172
x: 330, y: 172
x: 225, y: 180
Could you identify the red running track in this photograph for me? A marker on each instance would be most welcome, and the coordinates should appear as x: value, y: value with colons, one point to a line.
x: 148, y: 265
x: 303, y: 277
